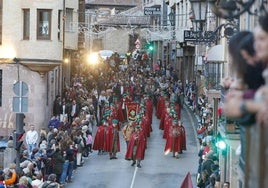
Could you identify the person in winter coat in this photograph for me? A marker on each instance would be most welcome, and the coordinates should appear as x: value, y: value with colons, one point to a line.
x: 58, y: 162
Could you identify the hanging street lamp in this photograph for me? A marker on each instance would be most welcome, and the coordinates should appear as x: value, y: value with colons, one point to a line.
x: 171, y: 17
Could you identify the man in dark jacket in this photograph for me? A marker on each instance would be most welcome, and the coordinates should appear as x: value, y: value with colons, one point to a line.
x: 57, y: 107
x: 58, y: 163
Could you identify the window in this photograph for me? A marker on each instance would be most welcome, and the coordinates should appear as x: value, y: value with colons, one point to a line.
x: 26, y: 24
x: 59, y: 23
x: 1, y: 83
x: 69, y: 20
x: 43, y: 24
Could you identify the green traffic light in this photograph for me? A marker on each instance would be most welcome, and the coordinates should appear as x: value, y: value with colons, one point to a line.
x: 150, y: 46
x: 221, y: 145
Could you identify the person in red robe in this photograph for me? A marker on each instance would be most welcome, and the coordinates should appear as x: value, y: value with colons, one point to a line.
x: 144, y: 122
x: 120, y: 113
x: 136, y: 147
x: 100, y: 138
x: 165, y: 113
x: 167, y: 123
x: 183, y: 136
x: 112, y: 142
x: 160, y: 106
x: 173, y: 142
x: 121, y: 106
x: 149, y: 107
x: 178, y: 110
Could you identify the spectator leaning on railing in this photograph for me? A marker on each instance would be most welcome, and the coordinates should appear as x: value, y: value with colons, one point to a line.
x: 235, y: 106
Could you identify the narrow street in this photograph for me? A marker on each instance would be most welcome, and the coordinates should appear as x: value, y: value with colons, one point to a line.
x: 158, y: 170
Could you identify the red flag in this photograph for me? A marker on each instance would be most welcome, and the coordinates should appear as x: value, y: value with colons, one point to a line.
x: 132, y: 108
x: 187, y: 182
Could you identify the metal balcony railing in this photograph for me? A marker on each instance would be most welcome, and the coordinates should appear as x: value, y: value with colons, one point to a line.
x: 253, y: 161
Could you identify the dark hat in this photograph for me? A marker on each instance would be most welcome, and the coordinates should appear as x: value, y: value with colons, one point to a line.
x: 137, y: 127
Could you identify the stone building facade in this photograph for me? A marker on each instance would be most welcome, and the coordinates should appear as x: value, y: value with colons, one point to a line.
x: 31, y: 52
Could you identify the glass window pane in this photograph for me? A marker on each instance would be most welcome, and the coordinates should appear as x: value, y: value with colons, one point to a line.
x: 69, y: 20
x: 44, y: 24
x: 26, y: 24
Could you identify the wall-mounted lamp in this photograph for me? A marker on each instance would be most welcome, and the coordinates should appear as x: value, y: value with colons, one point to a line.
x: 199, y: 11
x: 66, y: 60
x: 171, y: 17
x: 199, y: 8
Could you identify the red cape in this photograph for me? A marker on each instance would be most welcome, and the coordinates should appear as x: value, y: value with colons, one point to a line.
x: 160, y: 106
x: 111, y: 133
x: 99, y: 138
x: 167, y: 125
x: 173, y: 143
x: 137, y: 140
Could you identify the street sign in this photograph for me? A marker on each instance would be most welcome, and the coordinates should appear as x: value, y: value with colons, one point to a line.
x: 20, y: 104
x: 199, y: 36
x: 138, y: 42
x: 20, y: 88
x: 154, y: 10
x: 20, y: 101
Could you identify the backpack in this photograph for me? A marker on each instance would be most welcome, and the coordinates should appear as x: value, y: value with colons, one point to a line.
x: 46, y: 184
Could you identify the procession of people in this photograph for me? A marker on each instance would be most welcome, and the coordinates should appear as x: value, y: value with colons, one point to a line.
x: 93, y: 114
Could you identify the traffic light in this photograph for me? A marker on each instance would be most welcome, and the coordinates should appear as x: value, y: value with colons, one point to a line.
x: 18, y: 134
x: 221, y: 144
x: 20, y: 121
x: 150, y: 46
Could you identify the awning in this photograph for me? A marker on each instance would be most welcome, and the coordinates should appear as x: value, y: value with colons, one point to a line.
x: 216, y: 54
